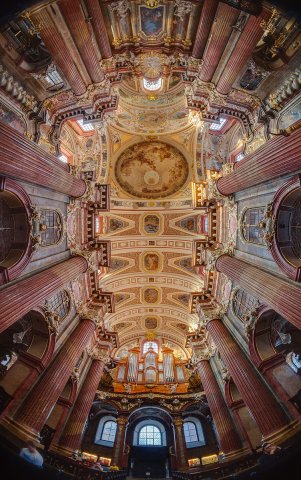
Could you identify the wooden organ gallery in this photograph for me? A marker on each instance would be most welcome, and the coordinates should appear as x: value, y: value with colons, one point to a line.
x: 150, y: 245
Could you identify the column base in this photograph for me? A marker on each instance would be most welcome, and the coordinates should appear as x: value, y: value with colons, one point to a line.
x: 241, y: 452
x: 19, y: 434
x: 63, y: 451
x: 283, y: 434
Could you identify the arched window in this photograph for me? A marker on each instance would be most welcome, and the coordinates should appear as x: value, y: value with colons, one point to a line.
x: 148, y: 345
x: 193, y: 432
x: 109, y: 431
x: 149, y: 435
x: 52, y: 227
x: 251, y: 230
x: 190, y: 432
x: 106, y: 431
x: 243, y: 303
x: 60, y: 303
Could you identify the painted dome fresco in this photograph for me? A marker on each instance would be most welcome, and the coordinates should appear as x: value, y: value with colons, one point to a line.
x: 151, y: 170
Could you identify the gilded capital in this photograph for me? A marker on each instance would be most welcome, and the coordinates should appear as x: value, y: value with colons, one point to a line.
x: 213, y: 255
x: 93, y: 314
x: 98, y: 353
x: 213, y: 314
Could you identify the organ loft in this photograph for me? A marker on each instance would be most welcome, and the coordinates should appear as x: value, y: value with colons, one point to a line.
x: 150, y: 242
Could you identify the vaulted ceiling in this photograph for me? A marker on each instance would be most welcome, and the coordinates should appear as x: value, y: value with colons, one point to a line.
x: 152, y: 77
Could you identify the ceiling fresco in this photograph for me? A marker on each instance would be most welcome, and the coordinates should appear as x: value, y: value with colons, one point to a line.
x: 151, y: 170
x: 157, y: 79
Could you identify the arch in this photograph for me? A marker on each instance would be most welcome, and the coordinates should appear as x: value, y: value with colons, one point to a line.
x: 17, y: 247
x: 30, y: 359
x: 275, y: 349
x: 106, y: 431
x: 285, y: 242
x: 193, y: 432
x: 150, y: 435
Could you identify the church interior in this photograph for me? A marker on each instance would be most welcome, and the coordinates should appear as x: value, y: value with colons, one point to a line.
x: 150, y: 247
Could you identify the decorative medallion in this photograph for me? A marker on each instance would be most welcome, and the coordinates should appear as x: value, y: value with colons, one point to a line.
x: 151, y: 262
x: 151, y: 323
x: 151, y: 295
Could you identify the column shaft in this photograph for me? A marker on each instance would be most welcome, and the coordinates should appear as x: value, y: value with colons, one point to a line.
x: 279, y: 294
x: 278, y: 156
x: 18, y: 299
x: 71, y: 437
x: 241, y: 53
x: 262, y: 404
x: 228, y: 436
x: 58, y: 50
x: 38, y: 404
x: 23, y: 159
x: 77, y: 24
x: 219, y: 36
x: 99, y: 27
x: 206, y: 19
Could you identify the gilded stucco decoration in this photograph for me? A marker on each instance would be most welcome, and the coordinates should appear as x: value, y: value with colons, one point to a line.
x: 151, y: 170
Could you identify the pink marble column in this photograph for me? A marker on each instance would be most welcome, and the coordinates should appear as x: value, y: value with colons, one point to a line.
x: 99, y: 27
x: 56, y: 46
x: 18, y: 299
x: 81, y: 34
x: 205, y: 23
x: 226, y: 17
x: 281, y: 295
x: 228, y: 436
x: 266, y: 411
x: 37, y: 406
x: 278, y: 156
x: 72, y: 434
x: 248, y: 40
x: 23, y: 159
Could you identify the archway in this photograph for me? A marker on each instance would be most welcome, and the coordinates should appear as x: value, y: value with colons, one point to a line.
x: 150, y: 436
x: 15, y: 245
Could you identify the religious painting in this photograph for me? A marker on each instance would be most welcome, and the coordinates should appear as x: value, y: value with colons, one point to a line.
x: 151, y: 323
x: 251, y: 79
x: 151, y: 224
x: 186, y: 263
x: 118, y: 263
x: 292, y: 115
x: 188, y: 224
x: 116, y: 224
x: 151, y: 262
x: 120, y: 297
x: 11, y: 118
x: 151, y: 20
x: 151, y: 170
x: 184, y: 299
x: 151, y: 295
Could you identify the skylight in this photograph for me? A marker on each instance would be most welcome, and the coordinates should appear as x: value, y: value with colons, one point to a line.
x: 239, y: 157
x: 63, y: 158
x: 86, y: 127
x: 152, y: 85
x: 218, y: 125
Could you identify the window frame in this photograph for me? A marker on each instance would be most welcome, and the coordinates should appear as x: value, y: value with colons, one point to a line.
x: 56, y: 215
x: 100, y: 431
x: 246, y: 304
x: 201, y: 440
x: 247, y: 224
x: 153, y: 438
